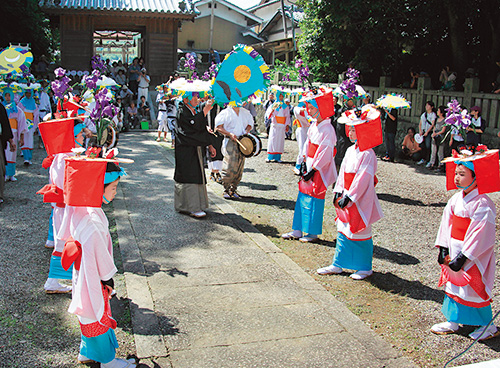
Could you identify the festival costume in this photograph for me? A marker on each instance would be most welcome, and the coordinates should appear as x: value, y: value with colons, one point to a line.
x: 318, y: 172
x: 44, y: 108
x: 90, y: 249
x: 468, y: 229
x: 302, y: 125
x: 215, y: 163
x: 191, y: 138
x: 28, y: 105
x: 18, y: 126
x: 279, y: 115
x: 356, y: 183
x: 234, y: 161
x: 59, y: 138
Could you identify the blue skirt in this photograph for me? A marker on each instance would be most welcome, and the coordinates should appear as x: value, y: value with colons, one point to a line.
x: 353, y: 254
x: 464, y: 315
x: 50, y: 235
x: 276, y: 156
x: 308, y: 215
x: 57, y: 272
x: 100, y: 348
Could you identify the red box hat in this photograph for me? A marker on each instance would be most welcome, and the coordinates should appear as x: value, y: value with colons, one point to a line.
x: 486, y: 169
x: 323, y: 100
x: 84, y: 181
x: 58, y: 135
x: 367, y: 124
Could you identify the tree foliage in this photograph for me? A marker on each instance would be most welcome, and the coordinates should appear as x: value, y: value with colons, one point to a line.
x: 388, y: 37
x: 22, y: 21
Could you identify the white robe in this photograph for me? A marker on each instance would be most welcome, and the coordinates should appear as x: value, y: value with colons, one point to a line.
x: 89, y: 226
x: 478, y: 244
x: 280, y: 119
x: 363, y: 164
x: 301, y: 131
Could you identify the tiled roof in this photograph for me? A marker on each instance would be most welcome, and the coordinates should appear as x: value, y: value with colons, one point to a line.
x: 185, y: 7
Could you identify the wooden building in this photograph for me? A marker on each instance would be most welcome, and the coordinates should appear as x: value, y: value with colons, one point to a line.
x: 158, y: 22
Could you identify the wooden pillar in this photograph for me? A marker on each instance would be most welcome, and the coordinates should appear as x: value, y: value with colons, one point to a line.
x: 471, y: 86
x: 76, y: 41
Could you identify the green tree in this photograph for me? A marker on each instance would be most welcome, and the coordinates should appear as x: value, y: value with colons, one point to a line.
x: 22, y: 21
x: 388, y: 37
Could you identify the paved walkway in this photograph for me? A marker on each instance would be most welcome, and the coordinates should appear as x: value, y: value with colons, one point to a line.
x: 217, y: 293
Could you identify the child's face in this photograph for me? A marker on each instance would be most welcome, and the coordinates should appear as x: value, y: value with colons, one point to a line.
x: 464, y: 178
x: 79, y: 138
x: 311, y: 110
x: 110, y: 190
x: 352, y: 134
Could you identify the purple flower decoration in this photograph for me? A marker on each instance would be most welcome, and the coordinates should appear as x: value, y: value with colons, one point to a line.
x: 195, y: 75
x: 303, y: 73
x: 348, y: 88
x: 97, y: 63
x: 206, y: 75
x: 352, y: 74
x: 457, y: 116
x: 190, y: 62
x: 92, y: 79
x: 60, y: 87
x: 298, y: 63
x: 286, y: 78
x: 60, y: 72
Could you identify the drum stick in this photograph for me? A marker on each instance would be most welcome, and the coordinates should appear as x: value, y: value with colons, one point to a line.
x: 241, y: 145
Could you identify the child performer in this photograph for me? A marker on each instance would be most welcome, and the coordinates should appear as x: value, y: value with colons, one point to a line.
x: 466, y: 242
x: 19, y: 128
x: 355, y: 199
x: 28, y: 105
x: 302, y: 124
x: 53, y: 134
x: 318, y: 170
x: 279, y: 115
x: 91, y: 251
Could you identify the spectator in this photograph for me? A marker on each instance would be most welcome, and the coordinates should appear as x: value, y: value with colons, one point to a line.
x: 427, y: 121
x: 437, y: 140
x: 456, y: 139
x: 410, y: 148
x: 120, y: 67
x: 476, y: 129
x: 143, y: 81
x: 120, y: 77
x: 134, y: 71
x: 214, y: 56
x: 143, y: 109
x: 269, y: 102
x: 391, y: 127
x: 251, y: 108
x: 132, y: 118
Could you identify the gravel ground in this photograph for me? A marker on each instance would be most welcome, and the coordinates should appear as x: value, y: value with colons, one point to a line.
x: 401, y: 301
x: 35, y: 329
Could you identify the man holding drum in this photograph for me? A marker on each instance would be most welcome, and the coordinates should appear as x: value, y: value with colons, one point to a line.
x: 232, y: 122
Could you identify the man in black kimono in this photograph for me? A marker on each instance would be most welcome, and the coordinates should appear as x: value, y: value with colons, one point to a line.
x: 191, y: 138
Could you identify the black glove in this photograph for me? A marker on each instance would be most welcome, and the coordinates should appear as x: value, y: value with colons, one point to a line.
x: 303, y: 168
x: 309, y: 175
x: 443, y: 252
x: 336, y: 196
x: 344, y: 201
x: 110, y: 283
x: 458, y: 262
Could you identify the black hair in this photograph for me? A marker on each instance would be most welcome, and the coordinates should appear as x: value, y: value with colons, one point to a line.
x: 412, y: 129
x: 442, y: 109
x: 430, y: 103
x: 111, y: 167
